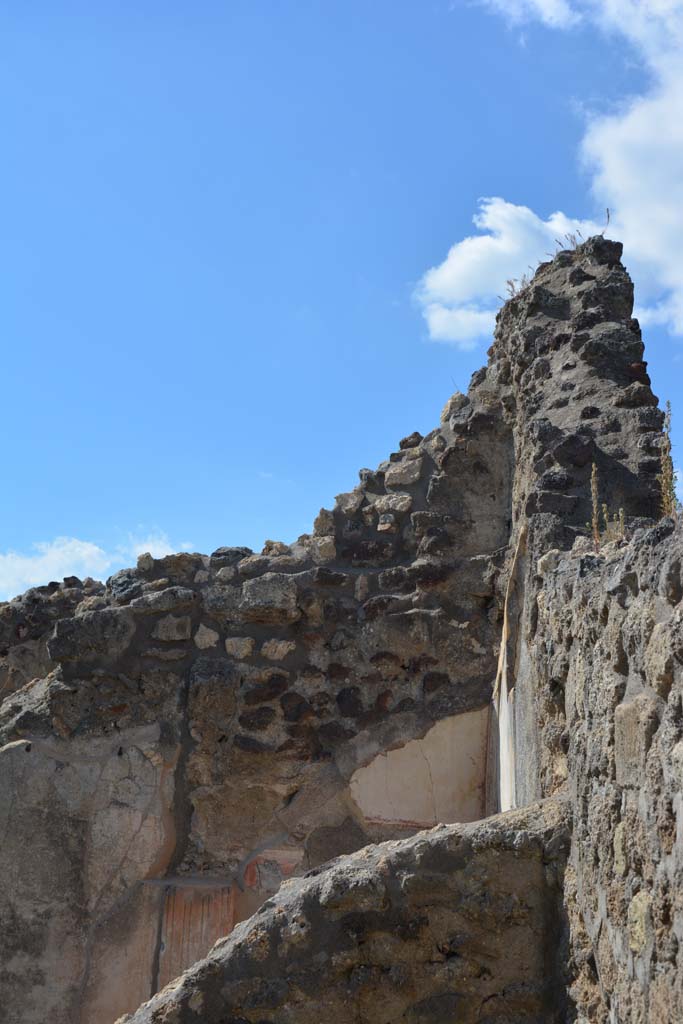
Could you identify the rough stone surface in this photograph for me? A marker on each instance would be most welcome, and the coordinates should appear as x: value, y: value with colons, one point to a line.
x: 607, y: 666
x: 206, y: 637
x: 462, y: 923
x: 175, y: 745
x: 27, y: 623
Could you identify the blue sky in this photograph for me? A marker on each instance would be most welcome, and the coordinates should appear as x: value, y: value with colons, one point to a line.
x: 233, y: 261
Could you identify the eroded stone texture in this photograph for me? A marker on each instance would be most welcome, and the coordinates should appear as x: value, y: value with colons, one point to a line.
x: 27, y: 622
x: 608, y: 673
x: 81, y: 821
x: 270, y: 680
x: 251, y: 689
x: 459, y: 923
x: 567, y: 365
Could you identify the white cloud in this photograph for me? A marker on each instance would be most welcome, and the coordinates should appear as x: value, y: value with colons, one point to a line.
x: 156, y: 543
x: 460, y: 296
x: 655, y: 27
x: 556, y: 13
x: 69, y: 556
x: 50, y: 560
x: 463, y: 325
x: 635, y: 157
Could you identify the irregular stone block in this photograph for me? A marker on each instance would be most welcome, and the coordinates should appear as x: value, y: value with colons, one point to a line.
x: 257, y: 719
x: 401, y: 474
x: 173, y: 627
x: 659, y: 660
x: 455, y: 404
x: 277, y: 650
x: 323, y: 549
x: 205, y: 637
x: 124, y: 585
x: 329, y: 578
x: 97, y: 634
x: 635, y: 723
x: 253, y: 565
x: 350, y: 502
x: 230, y: 556
x: 411, y: 441
x: 222, y: 602
x: 639, y: 922
x: 145, y: 562
x: 275, y: 548
x: 270, y: 598
x: 169, y: 600
x: 548, y: 562
x: 239, y: 646
x: 323, y: 524
x: 394, y: 503
x: 372, y: 480
x: 635, y: 396
x: 574, y: 450
x: 271, y: 688
x: 227, y: 573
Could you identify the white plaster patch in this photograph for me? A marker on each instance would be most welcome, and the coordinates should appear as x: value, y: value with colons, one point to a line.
x: 437, y: 779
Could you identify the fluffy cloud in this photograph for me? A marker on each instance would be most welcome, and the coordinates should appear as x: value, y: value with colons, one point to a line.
x: 460, y: 296
x: 52, y: 560
x: 635, y: 157
x: 156, y: 543
x: 69, y: 556
x: 556, y: 13
x: 654, y: 26
x: 637, y: 162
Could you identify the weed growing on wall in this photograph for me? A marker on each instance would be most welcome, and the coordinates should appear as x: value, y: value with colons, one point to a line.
x: 604, y: 526
x: 667, y: 476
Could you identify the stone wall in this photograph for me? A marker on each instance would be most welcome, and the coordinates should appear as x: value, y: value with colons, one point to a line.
x: 567, y: 365
x: 461, y: 923
x: 209, y: 720
x: 607, y: 668
x: 210, y: 726
x: 27, y: 623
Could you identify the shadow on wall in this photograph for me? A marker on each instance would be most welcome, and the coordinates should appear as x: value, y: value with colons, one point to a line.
x: 440, y: 778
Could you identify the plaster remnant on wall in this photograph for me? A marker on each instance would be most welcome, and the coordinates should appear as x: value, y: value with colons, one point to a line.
x: 438, y: 778
x: 320, y: 696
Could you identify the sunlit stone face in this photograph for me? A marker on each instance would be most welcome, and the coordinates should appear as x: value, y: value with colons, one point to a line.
x: 439, y: 778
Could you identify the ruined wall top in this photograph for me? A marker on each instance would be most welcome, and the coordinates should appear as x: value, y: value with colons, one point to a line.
x: 205, y: 717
